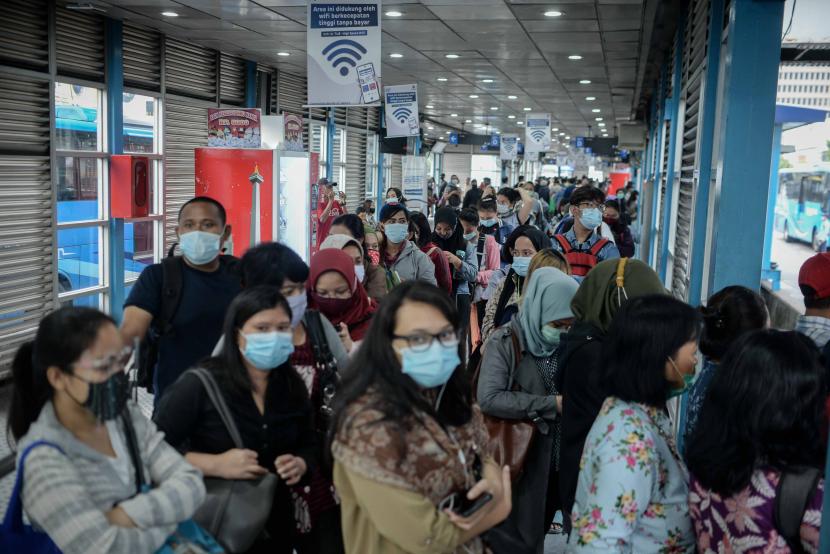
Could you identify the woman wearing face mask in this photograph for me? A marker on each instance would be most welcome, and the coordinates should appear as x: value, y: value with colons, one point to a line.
x: 608, y: 287
x: 402, y: 260
x: 632, y: 494
x: 422, y: 237
x: 517, y: 381
x: 510, y: 213
x: 487, y: 260
x: 372, y: 277
x: 489, y: 221
x: 622, y: 233
x: 371, y: 244
x: 70, y: 390
x: 409, y: 444
x: 395, y: 197
x: 506, y: 284
x: 269, y: 403
x: 335, y: 290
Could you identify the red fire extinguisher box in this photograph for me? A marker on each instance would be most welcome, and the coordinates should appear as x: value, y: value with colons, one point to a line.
x: 129, y: 186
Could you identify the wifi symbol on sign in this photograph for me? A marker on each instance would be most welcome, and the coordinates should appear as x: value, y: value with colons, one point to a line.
x: 538, y: 135
x: 343, y: 53
x: 402, y: 113
x: 508, y: 147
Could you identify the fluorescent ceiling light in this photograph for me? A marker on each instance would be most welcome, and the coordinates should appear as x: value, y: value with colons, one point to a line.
x: 553, y: 13
x: 283, y: 54
x: 452, y: 56
x: 511, y: 117
x: 512, y: 97
x: 169, y: 14
x: 597, y: 119
x: 596, y: 110
x: 430, y: 127
x: 447, y: 132
x: 555, y: 129
x: 394, y: 14
x: 498, y: 132
x: 602, y: 124
x: 429, y: 106
x: 468, y: 121
x: 585, y: 82
x: 527, y: 109
x: 474, y: 96
x: 590, y: 98
x: 487, y: 80
x: 605, y: 134
x: 396, y: 55
x: 574, y: 57
x: 520, y: 123
x: 453, y: 115
x: 561, y: 134
x: 442, y: 79
x: 494, y: 108
x: 567, y: 137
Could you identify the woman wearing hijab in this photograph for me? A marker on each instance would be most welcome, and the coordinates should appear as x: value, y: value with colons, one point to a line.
x: 518, y: 381
x: 336, y: 292
x: 423, y: 240
x: 461, y: 255
x: 371, y: 276
x: 596, y: 303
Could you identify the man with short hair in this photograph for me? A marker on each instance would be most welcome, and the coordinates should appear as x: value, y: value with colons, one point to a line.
x: 814, y: 282
x: 582, y: 245
x: 194, y: 289
x: 328, y: 208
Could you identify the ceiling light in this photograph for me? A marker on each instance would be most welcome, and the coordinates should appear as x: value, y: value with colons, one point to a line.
x: 453, y: 115
x: 575, y: 57
x: 528, y: 109
x: 494, y: 108
x: 442, y: 79
x: 447, y: 132
x: 393, y: 14
x: 498, y: 132
x: 511, y: 117
x: 597, y: 119
x: 512, y: 97
x: 468, y: 121
x: 590, y: 98
x: 283, y: 54
x: 169, y: 14
x: 520, y: 123
x: 585, y: 82
x: 474, y: 96
x: 605, y: 134
x: 452, y: 56
x: 553, y: 13
x: 396, y: 55
x: 602, y: 124
x: 561, y: 134
x: 596, y: 110
x: 487, y: 80
x: 555, y: 129
x: 567, y: 137
x: 429, y: 106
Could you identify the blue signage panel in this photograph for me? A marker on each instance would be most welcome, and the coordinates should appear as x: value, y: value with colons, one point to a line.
x: 453, y: 138
x: 494, y: 141
x: 580, y: 142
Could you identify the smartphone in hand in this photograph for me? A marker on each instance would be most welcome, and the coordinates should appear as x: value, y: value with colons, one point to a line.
x: 470, y: 507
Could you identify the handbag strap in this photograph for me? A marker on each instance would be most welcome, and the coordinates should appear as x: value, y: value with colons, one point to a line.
x: 13, y: 521
x: 135, y: 454
x: 795, y: 488
x: 218, y: 401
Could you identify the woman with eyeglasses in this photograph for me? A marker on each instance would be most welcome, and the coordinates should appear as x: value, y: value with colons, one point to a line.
x: 73, y: 424
x: 412, y: 465
x: 517, y: 381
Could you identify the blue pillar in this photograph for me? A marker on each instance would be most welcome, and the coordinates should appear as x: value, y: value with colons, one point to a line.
x: 250, y: 84
x: 774, y: 275
x: 381, y: 188
x: 675, y: 133
x: 709, y: 101
x: 115, y: 139
x: 746, y: 127
x: 330, y: 129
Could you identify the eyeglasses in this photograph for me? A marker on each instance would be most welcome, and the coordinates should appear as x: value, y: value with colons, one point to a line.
x: 119, y: 360
x: 419, y: 342
x: 590, y: 205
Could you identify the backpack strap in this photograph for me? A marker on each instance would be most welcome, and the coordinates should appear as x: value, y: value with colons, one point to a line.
x: 317, y: 336
x: 795, y: 489
x: 482, y: 239
x: 598, y: 246
x: 172, y: 282
x: 563, y: 242
x: 13, y: 520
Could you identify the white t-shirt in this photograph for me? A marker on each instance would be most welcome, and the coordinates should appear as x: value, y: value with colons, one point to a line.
x: 122, y: 464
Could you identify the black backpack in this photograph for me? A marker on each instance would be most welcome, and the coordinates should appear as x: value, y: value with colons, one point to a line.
x: 172, y: 284
x: 792, y: 496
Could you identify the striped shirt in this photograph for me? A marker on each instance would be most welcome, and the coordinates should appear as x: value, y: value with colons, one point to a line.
x: 815, y: 327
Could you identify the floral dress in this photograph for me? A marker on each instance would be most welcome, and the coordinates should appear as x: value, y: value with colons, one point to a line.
x: 632, y: 493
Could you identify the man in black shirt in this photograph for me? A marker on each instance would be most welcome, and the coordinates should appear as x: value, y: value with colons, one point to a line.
x: 208, y: 284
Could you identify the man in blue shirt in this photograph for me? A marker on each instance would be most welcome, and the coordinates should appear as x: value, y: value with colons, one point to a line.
x: 207, y: 284
x: 582, y: 245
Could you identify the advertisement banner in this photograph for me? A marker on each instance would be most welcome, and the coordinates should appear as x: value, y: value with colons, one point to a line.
x: 313, y: 177
x: 293, y: 133
x: 343, y: 45
x: 509, y: 147
x: 537, y: 133
x: 402, y: 111
x: 234, y: 128
x: 414, y: 174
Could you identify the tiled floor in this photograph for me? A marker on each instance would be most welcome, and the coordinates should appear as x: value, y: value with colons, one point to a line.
x: 555, y: 544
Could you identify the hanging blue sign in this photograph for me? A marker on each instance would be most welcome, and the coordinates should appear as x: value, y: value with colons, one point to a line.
x: 589, y: 150
x: 580, y: 142
x: 495, y: 141
x: 453, y: 138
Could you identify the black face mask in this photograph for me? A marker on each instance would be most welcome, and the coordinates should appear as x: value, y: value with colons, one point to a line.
x: 107, y: 400
x: 371, y: 211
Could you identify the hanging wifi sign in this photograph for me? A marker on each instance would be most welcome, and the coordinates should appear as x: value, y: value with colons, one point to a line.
x: 401, y: 111
x: 343, y: 45
x: 537, y: 133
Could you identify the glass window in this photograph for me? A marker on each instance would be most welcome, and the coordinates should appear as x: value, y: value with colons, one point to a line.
x: 78, y: 258
x: 78, y: 185
x: 77, y: 117
x: 90, y: 301
x: 139, y: 124
x: 138, y: 248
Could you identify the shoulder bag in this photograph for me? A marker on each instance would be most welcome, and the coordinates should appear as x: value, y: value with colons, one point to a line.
x: 235, y: 510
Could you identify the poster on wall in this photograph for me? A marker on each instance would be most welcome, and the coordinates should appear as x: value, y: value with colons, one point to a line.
x: 313, y: 177
x: 343, y: 45
x: 293, y: 127
x: 402, y: 118
x: 234, y: 128
x: 414, y: 176
x: 537, y: 133
x: 509, y: 147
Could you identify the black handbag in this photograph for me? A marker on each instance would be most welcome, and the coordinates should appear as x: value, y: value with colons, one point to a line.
x: 234, y: 511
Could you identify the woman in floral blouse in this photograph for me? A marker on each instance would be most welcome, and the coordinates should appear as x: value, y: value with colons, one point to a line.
x: 632, y: 494
x: 763, y: 415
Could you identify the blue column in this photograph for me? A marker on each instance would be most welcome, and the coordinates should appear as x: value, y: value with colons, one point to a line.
x: 774, y: 275
x: 675, y: 133
x: 330, y: 129
x: 706, y: 139
x: 746, y: 129
x: 115, y: 138
x: 250, y: 84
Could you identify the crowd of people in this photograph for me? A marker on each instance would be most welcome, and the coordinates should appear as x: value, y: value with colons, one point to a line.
x: 464, y: 379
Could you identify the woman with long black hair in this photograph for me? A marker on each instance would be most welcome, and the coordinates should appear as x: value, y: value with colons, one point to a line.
x: 409, y: 445
x: 461, y: 255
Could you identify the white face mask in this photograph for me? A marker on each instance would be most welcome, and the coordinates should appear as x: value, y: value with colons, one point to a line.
x: 200, y: 247
x: 360, y: 271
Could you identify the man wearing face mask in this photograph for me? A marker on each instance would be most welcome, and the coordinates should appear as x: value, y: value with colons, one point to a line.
x: 179, y: 305
x: 582, y: 245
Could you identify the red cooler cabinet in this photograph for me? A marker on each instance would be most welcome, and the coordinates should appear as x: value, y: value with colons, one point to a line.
x: 129, y: 186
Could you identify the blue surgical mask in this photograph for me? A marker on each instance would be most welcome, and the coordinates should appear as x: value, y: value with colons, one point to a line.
x: 688, y: 381
x: 298, y: 304
x: 393, y: 200
x: 268, y: 350
x: 433, y: 367
x: 470, y: 236
x: 488, y: 222
x: 552, y: 335
x: 520, y: 265
x: 396, y: 232
x: 591, y: 218
x: 200, y: 247
x: 503, y: 209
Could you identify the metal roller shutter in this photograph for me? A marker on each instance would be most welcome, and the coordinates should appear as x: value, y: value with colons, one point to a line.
x: 397, y: 171
x: 357, y: 156
x: 24, y: 41
x: 190, y: 70
x: 185, y: 128
x: 662, y: 158
x: 694, y: 73
x: 373, y: 119
x: 79, y: 41
x: 26, y: 208
x: 142, y: 58
x: 232, y: 79
x: 458, y: 164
